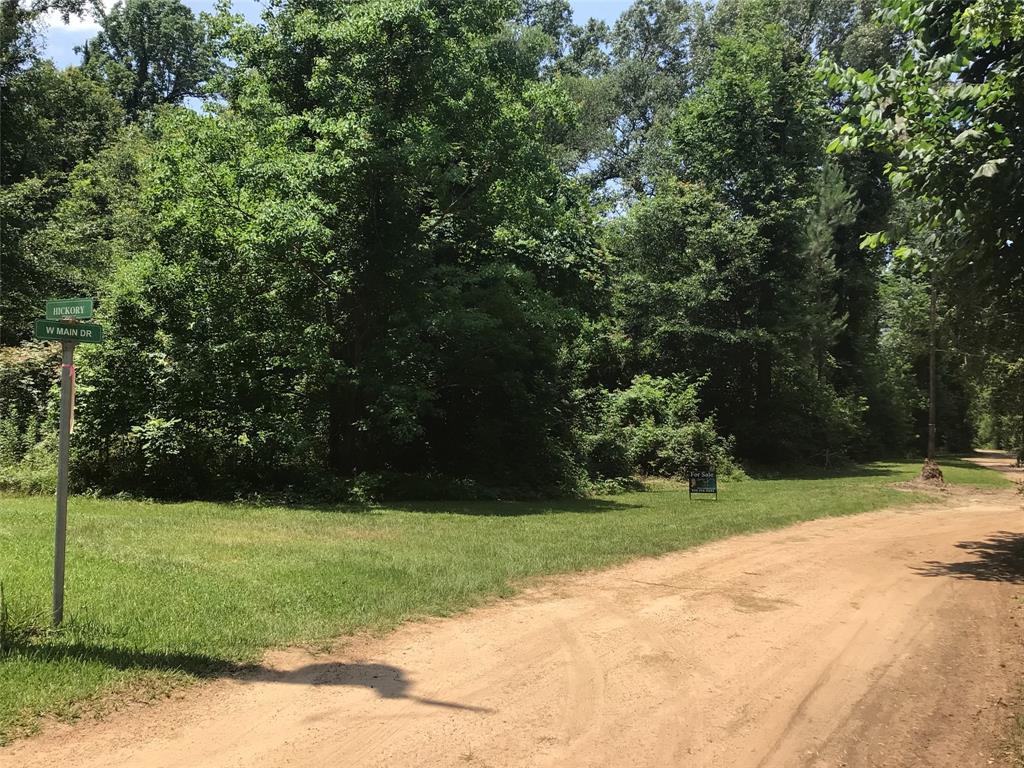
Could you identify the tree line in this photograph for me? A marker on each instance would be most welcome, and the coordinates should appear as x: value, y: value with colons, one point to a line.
x: 468, y: 247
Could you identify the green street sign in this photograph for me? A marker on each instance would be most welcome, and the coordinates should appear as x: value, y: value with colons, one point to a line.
x: 68, y: 309
x: 85, y: 333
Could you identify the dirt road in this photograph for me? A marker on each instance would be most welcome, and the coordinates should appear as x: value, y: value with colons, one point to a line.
x: 888, y: 639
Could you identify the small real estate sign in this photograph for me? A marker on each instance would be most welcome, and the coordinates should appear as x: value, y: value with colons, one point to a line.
x: 85, y: 333
x: 703, y: 480
x: 69, y: 309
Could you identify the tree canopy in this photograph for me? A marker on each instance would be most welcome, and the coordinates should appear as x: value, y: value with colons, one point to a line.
x: 150, y: 52
x: 422, y: 247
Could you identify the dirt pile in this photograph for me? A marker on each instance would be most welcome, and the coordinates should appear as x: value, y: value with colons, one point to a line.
x: 931, y: 473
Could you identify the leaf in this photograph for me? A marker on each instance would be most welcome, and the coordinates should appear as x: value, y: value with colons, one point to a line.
x: 988, y: 169
x: 874, y: 240
x: 970, y: 133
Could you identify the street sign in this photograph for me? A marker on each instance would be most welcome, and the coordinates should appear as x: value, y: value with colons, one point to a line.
x: 85, y: 333
x: 68, y: 309
x: 703, y: 480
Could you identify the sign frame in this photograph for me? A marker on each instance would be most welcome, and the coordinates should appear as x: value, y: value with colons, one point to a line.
x: 702, y: 481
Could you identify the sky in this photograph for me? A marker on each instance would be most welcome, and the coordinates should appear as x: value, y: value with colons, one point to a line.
x: 61, y: 38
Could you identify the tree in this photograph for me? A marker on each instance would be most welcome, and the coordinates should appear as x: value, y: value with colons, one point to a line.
x: 752, y: 133
x: 952, y: 113
x: 728, y: 270
x: 647, y: 76
x: 150, y: 52
x: 52, y: 120
x: 835, y: 207
x: 19, y: 31
x: 369, y: 262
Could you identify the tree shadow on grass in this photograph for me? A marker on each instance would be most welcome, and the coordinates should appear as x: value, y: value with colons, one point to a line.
x: 476, y: 508
x: 805, y: 472
x: 960, y: 462
x: 386, y: 681
x: 515, y: 508
x: 194, y: 664
x: 998, y: 558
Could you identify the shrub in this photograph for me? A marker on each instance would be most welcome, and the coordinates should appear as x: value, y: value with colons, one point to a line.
x: 654, y: 427
x: 28, y: 378
x: 28, y: 411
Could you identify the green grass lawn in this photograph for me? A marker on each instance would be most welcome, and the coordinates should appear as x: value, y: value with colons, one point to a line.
x: 159, y: 594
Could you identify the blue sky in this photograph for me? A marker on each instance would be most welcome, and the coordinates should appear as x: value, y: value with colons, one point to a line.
x: 61, y: 39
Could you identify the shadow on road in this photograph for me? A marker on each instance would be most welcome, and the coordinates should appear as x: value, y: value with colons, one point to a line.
x: 998, y: 558
x: 386, y: 681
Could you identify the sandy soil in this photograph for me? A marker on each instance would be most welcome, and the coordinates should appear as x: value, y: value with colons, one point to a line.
x: 883, y: 640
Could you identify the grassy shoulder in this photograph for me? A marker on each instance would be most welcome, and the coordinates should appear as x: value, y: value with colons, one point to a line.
x: 160, y: 594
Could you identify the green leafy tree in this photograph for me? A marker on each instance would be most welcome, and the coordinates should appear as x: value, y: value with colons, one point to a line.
x: 951, y: 113
x: 752, y: 134
x: 646, y: 72
x: 370, y: 262
x: 20, y: 23
x: 150, y: 52
x: 52, y: 120
x: 835, y: 207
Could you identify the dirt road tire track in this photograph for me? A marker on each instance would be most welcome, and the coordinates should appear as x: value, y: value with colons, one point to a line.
x: 880, y: 641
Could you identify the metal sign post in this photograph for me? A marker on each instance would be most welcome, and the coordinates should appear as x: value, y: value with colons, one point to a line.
x: 67, y: 368
x: 61, y: 324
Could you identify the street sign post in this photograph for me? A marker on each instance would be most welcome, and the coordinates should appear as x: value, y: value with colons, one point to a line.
x: 62, y: 325
x: 69, y: 309
x: 703, y: 480
x: 67, y: 368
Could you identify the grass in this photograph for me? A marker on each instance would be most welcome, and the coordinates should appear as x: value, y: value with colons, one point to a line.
x: 961, y: 472
x: 162, y: 594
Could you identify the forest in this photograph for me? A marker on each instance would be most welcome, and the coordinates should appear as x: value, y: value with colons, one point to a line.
x: 475, y: 248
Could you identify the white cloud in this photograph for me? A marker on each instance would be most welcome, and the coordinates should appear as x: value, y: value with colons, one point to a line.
x: 86, y: 23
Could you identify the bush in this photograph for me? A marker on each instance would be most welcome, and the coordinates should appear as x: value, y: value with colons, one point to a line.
x: 28, y: 411
x: 654, y: 427
x: 35, y: 471
x: 28, y: 378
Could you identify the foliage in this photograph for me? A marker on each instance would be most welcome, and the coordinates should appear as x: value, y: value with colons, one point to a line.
x: 654, y: 428
x: 999, y: 403
x: 436, y: 248
x: 720, y: 250
x: 150, y: 52
x: 52, y: 121
x: 20, y: 24
x: 405, y: 276
x: 27, y: 376
x: 951, y: 113
x: 904, y: 347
